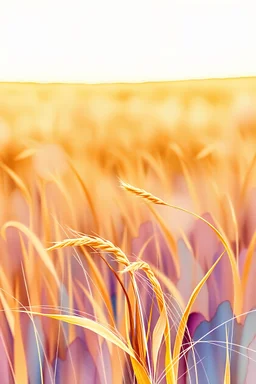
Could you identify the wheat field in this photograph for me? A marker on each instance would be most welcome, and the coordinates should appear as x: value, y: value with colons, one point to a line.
x: 128, y: 231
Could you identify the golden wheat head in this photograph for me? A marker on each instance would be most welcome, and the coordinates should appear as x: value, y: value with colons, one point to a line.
x: 142, y: 193
x: 95, y: 243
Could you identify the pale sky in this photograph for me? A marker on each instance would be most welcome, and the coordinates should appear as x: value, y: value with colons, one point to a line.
x: 96, y: 41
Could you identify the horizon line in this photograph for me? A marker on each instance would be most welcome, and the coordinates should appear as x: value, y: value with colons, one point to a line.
x: 142, y: 82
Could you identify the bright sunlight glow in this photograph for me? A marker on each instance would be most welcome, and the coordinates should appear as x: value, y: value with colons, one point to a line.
x: 95, y: 41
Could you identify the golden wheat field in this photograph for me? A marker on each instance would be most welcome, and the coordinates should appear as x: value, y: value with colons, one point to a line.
x: 128, y: 233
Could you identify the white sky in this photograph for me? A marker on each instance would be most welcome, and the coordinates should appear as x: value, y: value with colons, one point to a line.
x: 126, y: 40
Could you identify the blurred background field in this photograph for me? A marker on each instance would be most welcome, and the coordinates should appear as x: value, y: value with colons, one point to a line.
x: 128, y: 112
x: 126, y: 129
x: 100, y: 119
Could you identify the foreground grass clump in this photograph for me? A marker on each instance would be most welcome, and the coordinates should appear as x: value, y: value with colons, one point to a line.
x: 128, y: 305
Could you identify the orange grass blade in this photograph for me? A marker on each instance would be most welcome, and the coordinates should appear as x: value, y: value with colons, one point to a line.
x: 248, y: 262
x: 104, y: 332
x: 100, y: 284
x: 170, y: 286
x: 190, y: 184
x: 184, y: 319
x: 29, y: 152
x: 8, y: 313
x: 20, y: 364
x: 227, y: 367
x: 247, y: 178
x: 157, y: 337
x: 87, y: 194
x: 17, y: 180
x: 37, y: 244
x: 170, y: 239
x: 235, y: 223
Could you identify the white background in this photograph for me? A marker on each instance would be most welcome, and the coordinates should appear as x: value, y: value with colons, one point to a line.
x: 126, y: 41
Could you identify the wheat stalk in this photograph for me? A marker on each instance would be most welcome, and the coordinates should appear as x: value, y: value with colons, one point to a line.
x: 237, y: 282
x: 105, y: 245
